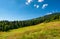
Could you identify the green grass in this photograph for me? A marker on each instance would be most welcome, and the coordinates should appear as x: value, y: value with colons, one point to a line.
x: 49, y: 30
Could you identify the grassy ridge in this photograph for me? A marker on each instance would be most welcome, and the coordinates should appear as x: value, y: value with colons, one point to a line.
x: 49, y: 30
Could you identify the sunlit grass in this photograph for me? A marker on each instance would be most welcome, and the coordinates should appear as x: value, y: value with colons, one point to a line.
x: 49, y: 30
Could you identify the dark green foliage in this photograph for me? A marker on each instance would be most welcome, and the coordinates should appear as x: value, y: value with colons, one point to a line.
x: 8, y: 25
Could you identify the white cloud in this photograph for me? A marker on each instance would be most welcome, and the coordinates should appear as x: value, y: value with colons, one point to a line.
x: 35, y: 5
x: 49, y: 13
x: 28, y: 2
x: 40, y: 0
x: 44, y: 6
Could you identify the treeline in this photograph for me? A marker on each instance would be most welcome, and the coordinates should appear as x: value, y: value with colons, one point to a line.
x: 9, y: 25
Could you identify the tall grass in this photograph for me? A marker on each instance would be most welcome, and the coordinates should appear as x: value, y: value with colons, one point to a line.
x: 49, y: 30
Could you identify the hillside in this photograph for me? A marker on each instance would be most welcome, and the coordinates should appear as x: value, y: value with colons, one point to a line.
x: 10, y: 25
x: 45, y: 27
x: 49, y: 30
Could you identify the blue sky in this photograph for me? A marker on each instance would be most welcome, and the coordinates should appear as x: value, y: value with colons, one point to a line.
x: 27, y: 9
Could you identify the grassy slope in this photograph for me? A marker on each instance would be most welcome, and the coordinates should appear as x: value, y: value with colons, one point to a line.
x: 49, y: 30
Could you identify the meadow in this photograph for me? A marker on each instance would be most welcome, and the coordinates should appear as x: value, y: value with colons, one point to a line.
x: 50, y: 30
